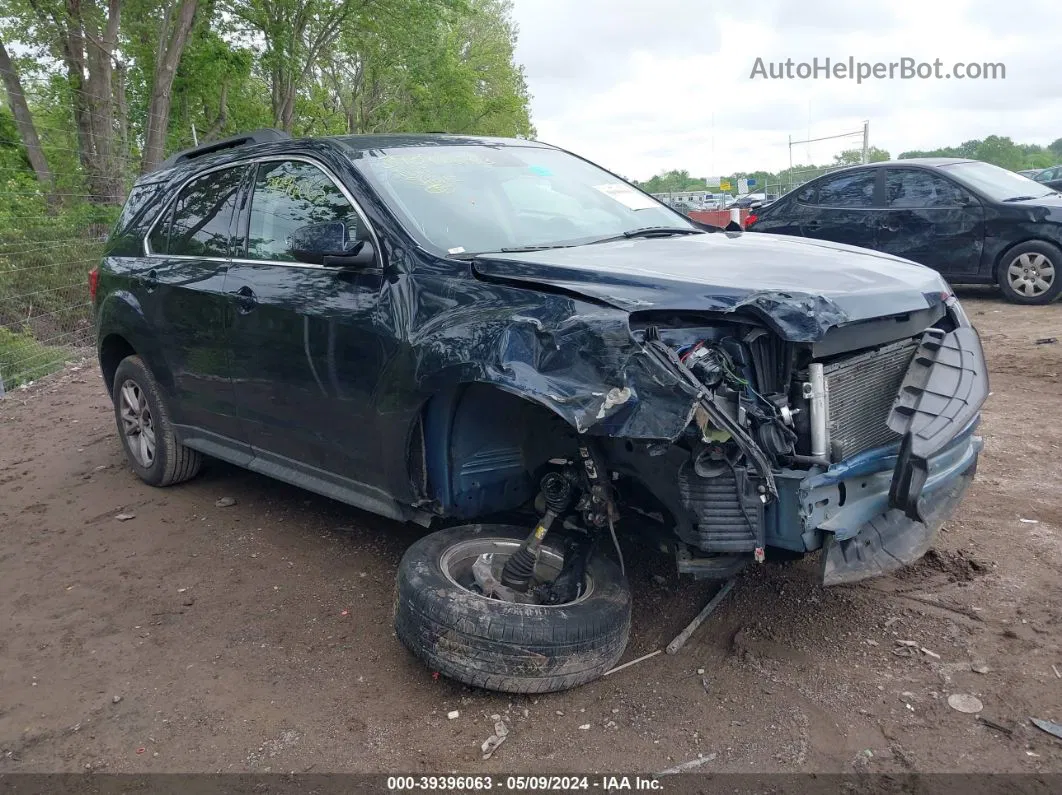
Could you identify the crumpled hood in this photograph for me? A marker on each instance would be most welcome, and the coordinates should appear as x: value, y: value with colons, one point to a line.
x: 802, y: 287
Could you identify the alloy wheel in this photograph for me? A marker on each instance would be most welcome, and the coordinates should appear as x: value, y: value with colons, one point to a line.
x: 137, y: 426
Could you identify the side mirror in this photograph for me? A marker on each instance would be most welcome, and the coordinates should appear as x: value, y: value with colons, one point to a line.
x: 327, y: 244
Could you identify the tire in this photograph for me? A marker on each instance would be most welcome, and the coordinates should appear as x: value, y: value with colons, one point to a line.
x: 169, y: 461
x: 497, y: 645
x: 1031, y: 273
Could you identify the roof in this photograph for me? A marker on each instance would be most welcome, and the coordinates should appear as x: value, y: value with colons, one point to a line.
x: 362, y: 143
x: 270, y: 141
x: 916, y: 161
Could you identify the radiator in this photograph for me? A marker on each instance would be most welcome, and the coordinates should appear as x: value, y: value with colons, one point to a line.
x: 727, y: 509
x: 860, y: 391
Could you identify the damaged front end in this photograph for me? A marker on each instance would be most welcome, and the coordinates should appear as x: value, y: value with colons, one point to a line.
x: 857, y: 444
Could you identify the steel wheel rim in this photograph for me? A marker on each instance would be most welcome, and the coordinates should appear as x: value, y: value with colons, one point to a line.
x: 138, y: 428
x: 456, y: 564
x: 1031, y: 274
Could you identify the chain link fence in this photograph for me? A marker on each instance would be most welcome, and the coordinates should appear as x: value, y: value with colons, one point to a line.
x: 45, y: 311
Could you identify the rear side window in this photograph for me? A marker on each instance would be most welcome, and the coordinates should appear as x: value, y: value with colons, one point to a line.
x: 199, y: 223
x: 851, y: 189
x: 289, y: 194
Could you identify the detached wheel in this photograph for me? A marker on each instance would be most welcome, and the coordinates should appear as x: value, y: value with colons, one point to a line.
x: 519, y: 648
x: 1029, y: 273
x: 144, y: 425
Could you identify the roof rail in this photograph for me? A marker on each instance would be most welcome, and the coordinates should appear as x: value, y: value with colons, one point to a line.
x: 264, y: 136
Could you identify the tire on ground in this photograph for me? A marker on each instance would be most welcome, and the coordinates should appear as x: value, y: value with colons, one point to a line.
x: 1041, y: 254
x: 499, y: 645
x: 173, y: 462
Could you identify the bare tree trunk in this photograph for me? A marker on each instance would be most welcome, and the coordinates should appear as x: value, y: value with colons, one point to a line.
x: 222, y: 117
x: 27, y: 130
x: 173, y: 37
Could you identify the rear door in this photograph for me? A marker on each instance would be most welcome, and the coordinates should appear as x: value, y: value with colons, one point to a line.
x: 933, y: 221
x: 307, y: 348
x: 183, y: 297
x: 845, y: 208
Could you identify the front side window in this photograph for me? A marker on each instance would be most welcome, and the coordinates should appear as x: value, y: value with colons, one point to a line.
x: 459, y: 199
x: 200, y: 224
x: 851, y: 189
x: 289, y: 194
x: 914, y: 188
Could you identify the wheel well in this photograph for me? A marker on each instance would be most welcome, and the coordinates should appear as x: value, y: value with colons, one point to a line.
x: 1003, y: 254
x: 113, y: 349
x: 483, y: 449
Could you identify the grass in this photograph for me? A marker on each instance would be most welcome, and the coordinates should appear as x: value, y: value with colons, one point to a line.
x: 23, y: 359
x: 45, y: 311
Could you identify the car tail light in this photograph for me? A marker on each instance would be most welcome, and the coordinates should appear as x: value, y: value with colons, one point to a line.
x: 94, y: 281
x: 750, y: 220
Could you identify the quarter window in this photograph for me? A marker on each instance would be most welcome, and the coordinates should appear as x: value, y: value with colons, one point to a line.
x: 201, y: 219
x: 289, y: 194
x: 853, y: 189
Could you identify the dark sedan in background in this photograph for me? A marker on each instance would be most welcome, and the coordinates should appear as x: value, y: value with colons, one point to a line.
x: 973, y: 222
x: 1050, y: 177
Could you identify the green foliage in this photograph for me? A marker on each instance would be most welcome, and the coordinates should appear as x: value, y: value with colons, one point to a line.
x: 1000, y: 151
x: 23, y: 359
x: 995, y: 149
x: 315, y: 67
x: 852, y: 157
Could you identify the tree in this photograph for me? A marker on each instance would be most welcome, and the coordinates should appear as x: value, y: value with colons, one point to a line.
x: 296, y: 34
x: 852, y: 157
x: 173, y: 36
x: 27, y: 130
x: 84, y: 38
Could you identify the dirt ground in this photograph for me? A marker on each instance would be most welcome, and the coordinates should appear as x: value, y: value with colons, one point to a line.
x: 258, y: 637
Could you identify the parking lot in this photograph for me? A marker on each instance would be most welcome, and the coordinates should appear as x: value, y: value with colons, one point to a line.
x: 257, y: 636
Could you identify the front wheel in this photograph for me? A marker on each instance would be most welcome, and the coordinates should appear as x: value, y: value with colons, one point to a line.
x: 1028, y: 273
x: 519, y: 648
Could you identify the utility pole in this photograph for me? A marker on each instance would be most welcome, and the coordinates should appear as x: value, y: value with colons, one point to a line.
x: 789, y: 176
x: 866, y: 142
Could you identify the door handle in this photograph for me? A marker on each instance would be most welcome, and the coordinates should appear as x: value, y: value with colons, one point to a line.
x: 887, y: 227
x: 246, y: 300
x: 813, y: 225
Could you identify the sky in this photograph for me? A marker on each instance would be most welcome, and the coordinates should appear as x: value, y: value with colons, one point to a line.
x: 642, y: 86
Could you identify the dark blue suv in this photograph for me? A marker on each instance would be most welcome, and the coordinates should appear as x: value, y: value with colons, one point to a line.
x: 449, y: 330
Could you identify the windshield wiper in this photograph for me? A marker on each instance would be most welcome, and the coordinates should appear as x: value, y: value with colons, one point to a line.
x: 1022, y: 198
x: 651, y: 231
x: 645, y: 231
x: 470, y: 255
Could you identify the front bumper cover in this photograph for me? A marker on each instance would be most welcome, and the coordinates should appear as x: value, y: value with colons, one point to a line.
x: 936, y: 412
x: 941, y: 393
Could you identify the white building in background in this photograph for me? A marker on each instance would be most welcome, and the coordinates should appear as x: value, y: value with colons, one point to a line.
x: 694, y: 200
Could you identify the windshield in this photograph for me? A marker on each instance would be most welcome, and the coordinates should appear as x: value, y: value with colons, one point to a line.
x: 995, y: 182
x: 469, y: 199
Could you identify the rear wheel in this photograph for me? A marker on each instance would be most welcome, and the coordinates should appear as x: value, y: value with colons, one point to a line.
x: 1029, y: 273
x: 499, y: 645
x: 144, y: 425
